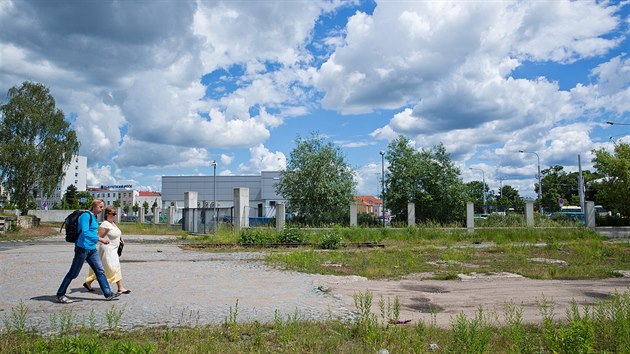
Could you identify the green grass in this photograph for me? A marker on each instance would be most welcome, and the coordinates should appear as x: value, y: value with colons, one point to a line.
x: 601, y: 328
x: 448, y: 252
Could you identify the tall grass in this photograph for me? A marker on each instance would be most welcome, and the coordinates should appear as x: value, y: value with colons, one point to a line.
x: 603, y: 327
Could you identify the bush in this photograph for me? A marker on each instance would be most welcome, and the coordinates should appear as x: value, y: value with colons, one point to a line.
x: 253, y: 236
x: 331, y: 240
x: 291, y: 235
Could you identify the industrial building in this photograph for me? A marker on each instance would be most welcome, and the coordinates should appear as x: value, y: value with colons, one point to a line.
x: 262, y: 192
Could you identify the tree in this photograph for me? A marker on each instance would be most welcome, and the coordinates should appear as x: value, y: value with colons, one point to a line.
x: 614, y: 188
x: 474, y: 192
x: 318, y: 183
x: 116, y: 203
x: 36, y: 143
x: 145, y: 205
x: 84, y: 200
x: 70, y: 198
x: 426, y: 178
x: 509, y: 198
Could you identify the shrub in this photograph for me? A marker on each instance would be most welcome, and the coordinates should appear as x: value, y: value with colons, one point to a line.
x: 291, y: 235
x: 253, y: 236
x: 331, y: 240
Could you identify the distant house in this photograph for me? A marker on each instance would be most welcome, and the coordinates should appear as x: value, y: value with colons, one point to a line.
x: 369, y: 204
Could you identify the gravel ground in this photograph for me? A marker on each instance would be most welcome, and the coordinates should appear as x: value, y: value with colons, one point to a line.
x: 171, y: 286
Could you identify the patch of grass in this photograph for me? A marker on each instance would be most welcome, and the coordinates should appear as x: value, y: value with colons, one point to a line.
x: 577, y: 256
x: 603, y: 327
x: 31, y: 233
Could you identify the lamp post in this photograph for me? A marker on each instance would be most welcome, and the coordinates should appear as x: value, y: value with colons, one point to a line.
x: 383, y: 185
x: 540, y: 207
x: 615, y: 123
x: 483, y: 179
x: 214, y: 196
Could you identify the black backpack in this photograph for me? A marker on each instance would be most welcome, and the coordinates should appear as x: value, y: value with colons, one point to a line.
x: 72, y: 225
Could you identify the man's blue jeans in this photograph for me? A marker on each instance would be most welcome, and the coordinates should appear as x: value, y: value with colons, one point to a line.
x: 91, y: 256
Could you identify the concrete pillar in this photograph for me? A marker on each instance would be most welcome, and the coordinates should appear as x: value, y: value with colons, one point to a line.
x: 411, y: 214
x: 119, y: 212
x: 470, y: 217
x: 241, y: 208
x: 529, y: 213
x: 171, y: 215
x: 589, y: 214
x: 280, y: 217
x: 353, y: 214
x: 141, y: 217
x: 190, y: 199
x: 156, y: 215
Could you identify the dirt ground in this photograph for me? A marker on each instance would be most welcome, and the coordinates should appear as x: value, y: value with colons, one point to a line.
x: 172, y: 286
x: 438, y: 301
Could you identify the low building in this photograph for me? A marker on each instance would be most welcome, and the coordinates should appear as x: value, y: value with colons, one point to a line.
x: 126, y: 195
x: 369, y: 204
x: 262, y: 192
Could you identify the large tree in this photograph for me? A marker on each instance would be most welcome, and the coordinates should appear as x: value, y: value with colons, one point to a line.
x: 614, y: 188
x: 36, y: 143
x: 318, y: 183
x: 427, y: 178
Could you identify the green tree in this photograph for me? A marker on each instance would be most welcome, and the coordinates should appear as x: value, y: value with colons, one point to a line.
x: 427, y: 178
x: 36, y: 143
x: 614, y: 188
x: 117, y: 203
x: 474, y: 192
x: 145, y: 205
x: 135, y: 208
x: 509, y: 198
x: 318, y: 183
x: 70, y: 198
x: 84, y: 200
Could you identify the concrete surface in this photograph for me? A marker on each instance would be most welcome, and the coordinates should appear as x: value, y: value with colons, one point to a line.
x: 171, y: 286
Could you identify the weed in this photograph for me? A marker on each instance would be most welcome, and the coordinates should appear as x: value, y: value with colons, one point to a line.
x: 16, y: 323
x: 231, y: 323
x: 331, y: 240
x: 469, y: 336
x: 113, y: 315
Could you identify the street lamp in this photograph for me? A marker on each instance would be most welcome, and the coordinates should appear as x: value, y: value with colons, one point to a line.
x: 540, y: 207
x: 213, y: 163
x: 483, y: 178
x: 383, y: 185
x: 615, y: 123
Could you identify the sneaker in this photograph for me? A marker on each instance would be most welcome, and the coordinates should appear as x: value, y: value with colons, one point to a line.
x: 112, y: 296
x: 63, y: 299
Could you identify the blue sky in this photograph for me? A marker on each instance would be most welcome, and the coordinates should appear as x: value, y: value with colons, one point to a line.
x: 163, y: 87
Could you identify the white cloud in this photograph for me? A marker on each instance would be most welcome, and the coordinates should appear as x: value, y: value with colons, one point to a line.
x: 261, y: 159
x: 226, y: 160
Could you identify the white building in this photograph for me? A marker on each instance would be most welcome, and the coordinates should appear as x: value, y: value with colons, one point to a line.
x: 127, y: 196
x: 75, y: 174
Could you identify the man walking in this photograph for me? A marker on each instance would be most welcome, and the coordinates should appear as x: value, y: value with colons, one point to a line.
x: 85, y: 250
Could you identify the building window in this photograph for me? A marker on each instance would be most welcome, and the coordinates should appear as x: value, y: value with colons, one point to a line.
x: 76, y: 175
x: 76, y: 182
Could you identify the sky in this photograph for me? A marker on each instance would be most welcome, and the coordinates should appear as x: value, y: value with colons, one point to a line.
x: 165, y: 87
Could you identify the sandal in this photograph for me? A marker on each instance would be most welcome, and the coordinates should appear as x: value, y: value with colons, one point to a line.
x: 89, y: 288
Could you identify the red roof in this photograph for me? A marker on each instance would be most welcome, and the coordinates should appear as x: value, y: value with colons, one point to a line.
x: 149, y: 194
x: 368, y: 200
